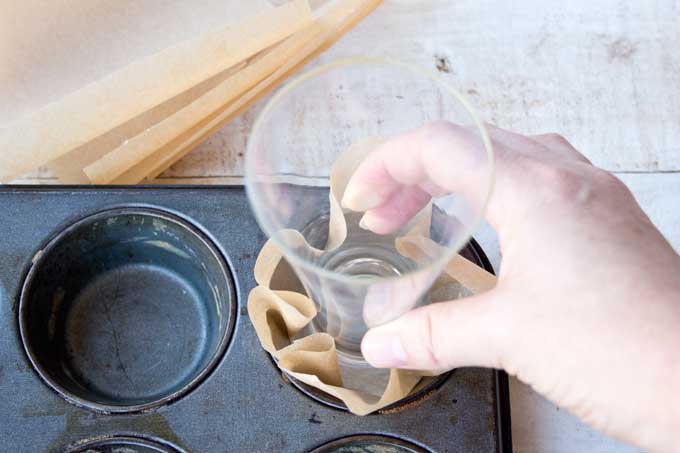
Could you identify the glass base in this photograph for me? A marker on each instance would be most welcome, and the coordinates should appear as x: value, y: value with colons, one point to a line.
x: 363, y: 255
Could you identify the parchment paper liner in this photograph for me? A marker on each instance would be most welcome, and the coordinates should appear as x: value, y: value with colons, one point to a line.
x: 279, y: 309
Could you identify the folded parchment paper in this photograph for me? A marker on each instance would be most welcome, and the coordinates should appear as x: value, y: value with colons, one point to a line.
x: 99, y: 107
x: 335, y: 19
x: 133, y: 122
x: 279, y: 309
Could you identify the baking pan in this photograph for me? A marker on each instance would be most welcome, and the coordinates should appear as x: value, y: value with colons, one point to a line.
x: 123, y: 328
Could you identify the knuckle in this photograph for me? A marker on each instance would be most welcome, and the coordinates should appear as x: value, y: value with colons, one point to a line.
x: 439, y: 128
x: 557, y: 142
x: 608, y: 181
x: 581, y: 184
x: 557, y: 138
x: 612, y: 187
x: 553, y: 139
x: 563, y: 182
x: 570, y: 185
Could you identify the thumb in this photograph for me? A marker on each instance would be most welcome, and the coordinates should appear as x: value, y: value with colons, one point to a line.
x: 441, y: 336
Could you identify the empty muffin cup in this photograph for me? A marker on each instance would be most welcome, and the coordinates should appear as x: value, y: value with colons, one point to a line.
x: 123, y: 444
x: 126, y: 310
x: 370, y: 443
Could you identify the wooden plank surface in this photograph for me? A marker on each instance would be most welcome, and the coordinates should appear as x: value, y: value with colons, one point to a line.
x: 605, y: 74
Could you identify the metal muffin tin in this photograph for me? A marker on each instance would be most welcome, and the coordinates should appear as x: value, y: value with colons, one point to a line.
x: 124, y: 329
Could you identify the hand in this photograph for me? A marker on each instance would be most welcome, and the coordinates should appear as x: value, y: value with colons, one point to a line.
x: 587, y: 305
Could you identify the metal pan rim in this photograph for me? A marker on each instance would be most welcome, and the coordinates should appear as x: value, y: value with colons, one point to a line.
x: 195, y: 381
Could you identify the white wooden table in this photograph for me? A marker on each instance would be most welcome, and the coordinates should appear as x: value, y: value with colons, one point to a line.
x: 606, y: 74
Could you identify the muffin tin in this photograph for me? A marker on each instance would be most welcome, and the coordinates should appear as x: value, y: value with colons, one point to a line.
x: 124, y: 328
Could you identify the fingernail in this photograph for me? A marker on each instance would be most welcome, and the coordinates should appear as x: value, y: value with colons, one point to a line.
x: 358, y: 200
x: 383, y: 350
x: 364, y: 223
x: 375, y: 223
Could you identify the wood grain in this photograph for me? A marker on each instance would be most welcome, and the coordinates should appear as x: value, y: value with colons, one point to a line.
x: 604, y: 74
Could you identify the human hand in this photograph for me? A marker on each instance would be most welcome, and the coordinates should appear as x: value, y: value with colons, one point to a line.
x: 587, y: 305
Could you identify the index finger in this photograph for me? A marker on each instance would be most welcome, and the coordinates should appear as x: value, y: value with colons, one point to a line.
x: 439, y: 158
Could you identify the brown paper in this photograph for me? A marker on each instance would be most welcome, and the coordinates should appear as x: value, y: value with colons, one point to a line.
x: 69, y: 167
x: 112, y: 165
x: 339, y: 18
x: 423, y: 249
x: 51, y: 49
x: 279, y: 315
x: 101, y: 106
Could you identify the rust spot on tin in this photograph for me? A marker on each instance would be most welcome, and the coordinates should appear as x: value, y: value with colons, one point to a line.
x: 490, y: 423
x: 453, y: 419
x: 36, y: 256
x: 408, y: 405
x: 57, y: 300
x: 314, y: 419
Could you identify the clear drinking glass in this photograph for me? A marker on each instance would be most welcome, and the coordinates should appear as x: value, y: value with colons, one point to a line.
x: 295, y: 140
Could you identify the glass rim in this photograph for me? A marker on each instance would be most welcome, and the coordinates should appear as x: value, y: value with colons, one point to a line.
x: 289, y: 254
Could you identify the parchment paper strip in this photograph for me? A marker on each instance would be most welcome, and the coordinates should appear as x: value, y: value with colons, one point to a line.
x: 69, y: 167
x: 135, y: 150
x: 423, y: 249
x: 99, y: 107
x: 337, y: 20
